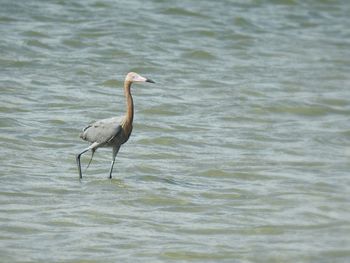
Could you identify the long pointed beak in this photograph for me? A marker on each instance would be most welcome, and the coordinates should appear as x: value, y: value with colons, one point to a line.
x: 149, y: 80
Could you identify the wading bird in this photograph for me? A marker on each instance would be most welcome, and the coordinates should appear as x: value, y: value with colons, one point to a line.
x: 112, y: 132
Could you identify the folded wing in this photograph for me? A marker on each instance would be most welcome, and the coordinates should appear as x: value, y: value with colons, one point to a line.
x: 102, y: 131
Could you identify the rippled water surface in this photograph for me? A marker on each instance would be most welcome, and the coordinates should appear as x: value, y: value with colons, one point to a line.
x: 240, y: 152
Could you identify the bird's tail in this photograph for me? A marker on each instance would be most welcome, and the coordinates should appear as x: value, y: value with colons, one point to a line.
x: 92, y: 155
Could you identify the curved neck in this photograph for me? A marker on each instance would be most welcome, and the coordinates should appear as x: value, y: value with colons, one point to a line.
x: 129, y: 102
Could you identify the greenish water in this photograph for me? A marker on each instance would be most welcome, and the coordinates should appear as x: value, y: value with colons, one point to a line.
x: 239, y: 153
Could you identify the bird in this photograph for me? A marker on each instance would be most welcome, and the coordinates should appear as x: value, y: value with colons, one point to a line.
x: 114, y: 131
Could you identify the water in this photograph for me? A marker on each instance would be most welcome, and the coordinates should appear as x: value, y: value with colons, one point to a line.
x: 240, y: 152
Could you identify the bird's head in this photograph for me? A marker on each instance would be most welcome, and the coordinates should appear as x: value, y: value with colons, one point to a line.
x: 134, y: 77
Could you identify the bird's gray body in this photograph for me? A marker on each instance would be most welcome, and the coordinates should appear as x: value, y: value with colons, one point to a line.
x: 111, y: 132
x: 105, y: 133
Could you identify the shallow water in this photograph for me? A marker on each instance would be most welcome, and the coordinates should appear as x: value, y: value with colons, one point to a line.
x: 240, y: 152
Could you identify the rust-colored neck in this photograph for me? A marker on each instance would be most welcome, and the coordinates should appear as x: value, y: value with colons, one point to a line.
x: 129, y: 102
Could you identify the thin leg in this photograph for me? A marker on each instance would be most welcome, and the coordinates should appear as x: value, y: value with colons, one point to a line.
x: 93, y: 147
x: 78, y: 161
x: 115, y: 152
x: 110, y: 171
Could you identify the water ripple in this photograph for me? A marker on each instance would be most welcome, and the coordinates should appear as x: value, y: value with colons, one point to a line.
x: 238, y: 152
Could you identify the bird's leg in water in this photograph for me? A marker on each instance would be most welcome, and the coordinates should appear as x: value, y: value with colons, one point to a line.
x: 91, y: 147
x: 115, y: 152
x: 110, y: 171
x: 78, y: 161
